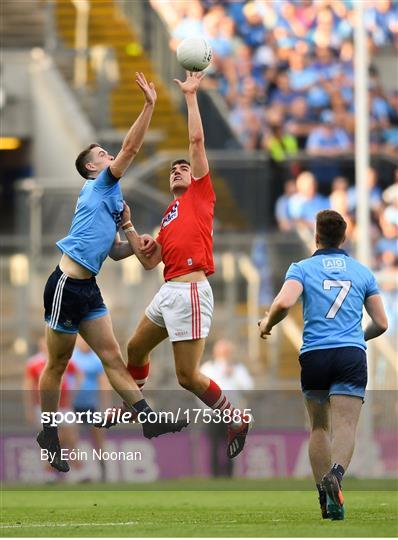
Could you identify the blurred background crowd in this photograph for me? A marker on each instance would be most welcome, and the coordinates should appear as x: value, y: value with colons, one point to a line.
x: 286, y: 70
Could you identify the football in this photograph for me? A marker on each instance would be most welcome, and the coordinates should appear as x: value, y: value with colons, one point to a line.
x: 194, y: 54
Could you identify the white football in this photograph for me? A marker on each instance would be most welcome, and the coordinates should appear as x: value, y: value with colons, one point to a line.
x: 194, y: 54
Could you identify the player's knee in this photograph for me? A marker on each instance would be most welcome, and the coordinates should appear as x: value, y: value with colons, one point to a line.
x: 186, y: 380
x: 112, y: 356
x: 57, y: 365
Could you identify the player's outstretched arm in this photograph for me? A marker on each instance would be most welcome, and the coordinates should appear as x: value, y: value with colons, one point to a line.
x: 197, y: 152
x: 379, y: 323
x: 136, y: 134
x: 286, y: 298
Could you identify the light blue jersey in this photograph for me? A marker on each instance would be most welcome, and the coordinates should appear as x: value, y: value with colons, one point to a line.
x: 90, y: 365
x: 335, y: 287
x: 95, y: 223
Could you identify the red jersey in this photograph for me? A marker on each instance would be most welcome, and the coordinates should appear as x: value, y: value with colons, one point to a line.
x: 34, y: 368
x: 186, y: 233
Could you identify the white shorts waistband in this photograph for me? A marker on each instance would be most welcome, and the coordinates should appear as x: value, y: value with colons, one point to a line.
x: 203, y: 284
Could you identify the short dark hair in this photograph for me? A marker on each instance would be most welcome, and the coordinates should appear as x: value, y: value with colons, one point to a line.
x: 83, y: 158
x: 178, y: 161
x: 330, y: 228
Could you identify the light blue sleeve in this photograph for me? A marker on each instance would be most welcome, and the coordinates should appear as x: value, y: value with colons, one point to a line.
x: 295, y: 272
x: 105, y: 180
x: 371, y: 287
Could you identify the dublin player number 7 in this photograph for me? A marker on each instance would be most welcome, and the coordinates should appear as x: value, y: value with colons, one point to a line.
x: 345, y: 287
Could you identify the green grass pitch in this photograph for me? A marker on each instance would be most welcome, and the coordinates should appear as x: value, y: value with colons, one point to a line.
x: 192, y: 508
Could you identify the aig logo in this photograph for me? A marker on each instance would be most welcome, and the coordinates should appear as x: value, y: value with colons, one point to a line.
x: 334, y: 264
x: 173, y: 214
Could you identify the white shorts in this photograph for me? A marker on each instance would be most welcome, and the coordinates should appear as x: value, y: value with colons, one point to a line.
x: 184, y: 309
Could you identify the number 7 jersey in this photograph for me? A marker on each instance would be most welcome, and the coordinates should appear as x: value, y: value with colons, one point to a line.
x: 335, y: 287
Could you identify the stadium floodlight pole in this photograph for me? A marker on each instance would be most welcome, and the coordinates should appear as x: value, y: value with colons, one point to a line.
x: 362, y: 136
x: 363, y: 246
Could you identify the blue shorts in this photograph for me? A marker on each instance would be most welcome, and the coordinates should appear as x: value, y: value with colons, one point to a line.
x: 327, y: 372
x: 68, y: 302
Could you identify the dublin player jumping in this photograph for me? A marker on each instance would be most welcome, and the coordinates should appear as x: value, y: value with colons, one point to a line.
x: 72, y: 300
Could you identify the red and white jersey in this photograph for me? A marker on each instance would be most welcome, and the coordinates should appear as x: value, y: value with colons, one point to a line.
x: 33, y: 370
x: 186, y: 233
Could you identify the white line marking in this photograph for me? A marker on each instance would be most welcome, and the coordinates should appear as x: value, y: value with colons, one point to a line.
x: 35, y: 525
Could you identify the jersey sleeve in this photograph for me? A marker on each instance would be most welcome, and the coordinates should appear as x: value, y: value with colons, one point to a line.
x: 203, y: 187
x: 295, y: 272
x: 105, y: 179
x: 371, y: 287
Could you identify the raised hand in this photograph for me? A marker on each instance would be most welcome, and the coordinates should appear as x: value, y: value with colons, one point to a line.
x: 148, y: 89
x: 191, y: 83
x: 263, y: 326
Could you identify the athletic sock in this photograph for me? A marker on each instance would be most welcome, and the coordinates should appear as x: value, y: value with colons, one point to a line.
x: 215, y: 398
x: 49, y: 429
x: 338, y: 471
x: 139, y: 373
x: 142, y: 407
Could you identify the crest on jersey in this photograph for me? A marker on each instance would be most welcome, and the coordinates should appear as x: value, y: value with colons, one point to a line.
x: 335, y: 263
x: 170, y: 216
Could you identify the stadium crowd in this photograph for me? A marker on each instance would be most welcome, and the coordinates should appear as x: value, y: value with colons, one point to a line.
x: 286, y: 69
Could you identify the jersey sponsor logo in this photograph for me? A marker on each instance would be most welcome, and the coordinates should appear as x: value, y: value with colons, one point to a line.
x: 170, y: 216
x: 180, y: 333
x: 334, y: 264
x: 117, y: 217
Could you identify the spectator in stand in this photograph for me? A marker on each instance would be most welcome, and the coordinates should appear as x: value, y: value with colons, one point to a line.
x: 71, y: 380
x: 299, y: 121
x: 234, y: 378
x: 252, y: 28
x: 280, y: 144
x: 93, y: 392
x: 282, y: 93
x: 302, y: 76
x: 246, y: 123
x: 282, y: 206
x: 190, y: 25
x: 374, y: 193
x: 339, y: 201
x: 307, y: 202
x: 326, y: 139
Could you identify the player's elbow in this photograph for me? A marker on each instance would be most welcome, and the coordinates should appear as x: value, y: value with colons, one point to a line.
x: 283, y: 304
x: 196, y: 139
x: 114, y: 256
x: 383, y: 325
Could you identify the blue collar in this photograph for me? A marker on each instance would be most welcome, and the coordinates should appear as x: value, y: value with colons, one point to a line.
x: 330, y: 251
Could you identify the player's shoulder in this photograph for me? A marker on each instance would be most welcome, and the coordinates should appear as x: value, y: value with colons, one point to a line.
x: 106, y: 179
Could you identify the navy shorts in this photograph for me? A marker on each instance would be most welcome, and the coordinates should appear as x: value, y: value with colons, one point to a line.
x: 327, y: 372
x: 68, y: 302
